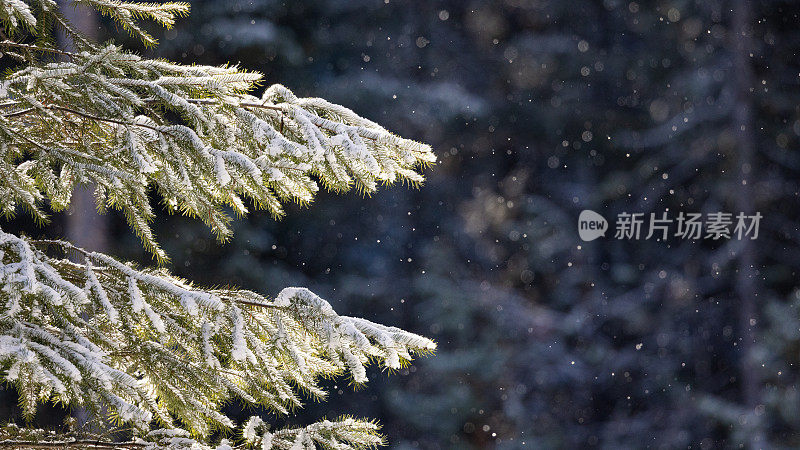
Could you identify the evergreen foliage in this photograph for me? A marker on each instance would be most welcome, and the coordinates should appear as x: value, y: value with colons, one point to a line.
x: 82, y: 328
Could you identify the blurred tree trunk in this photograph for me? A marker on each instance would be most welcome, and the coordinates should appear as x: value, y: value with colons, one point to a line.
x: 83, y: 225
x: 746, y: 289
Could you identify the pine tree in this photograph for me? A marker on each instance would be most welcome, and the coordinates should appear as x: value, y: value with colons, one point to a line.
x: 155, y: 353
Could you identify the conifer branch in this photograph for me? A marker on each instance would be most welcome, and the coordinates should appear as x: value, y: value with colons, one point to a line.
x: 37, y: 48
x: 141, y: 343
x: 230, y: 145
x: 207, y: 344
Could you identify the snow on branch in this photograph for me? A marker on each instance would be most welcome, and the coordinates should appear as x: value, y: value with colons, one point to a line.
x: 345, y: 433
x: 151, y: 346
x: 127, y: 14
x: 140, y: 343
x: 16, y: 12
x: 100, y: 118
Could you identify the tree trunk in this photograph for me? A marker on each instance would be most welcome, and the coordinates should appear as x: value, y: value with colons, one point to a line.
x: 83, y: 227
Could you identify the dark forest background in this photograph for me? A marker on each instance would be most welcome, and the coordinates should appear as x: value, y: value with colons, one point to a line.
x: 537, y: 110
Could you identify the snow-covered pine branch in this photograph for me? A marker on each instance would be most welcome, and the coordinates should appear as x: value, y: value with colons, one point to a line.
x: 127, y: 13
x: 151, y: 346
x: 341, y: 434
x: 101, y: 117
x: 140, y: 343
